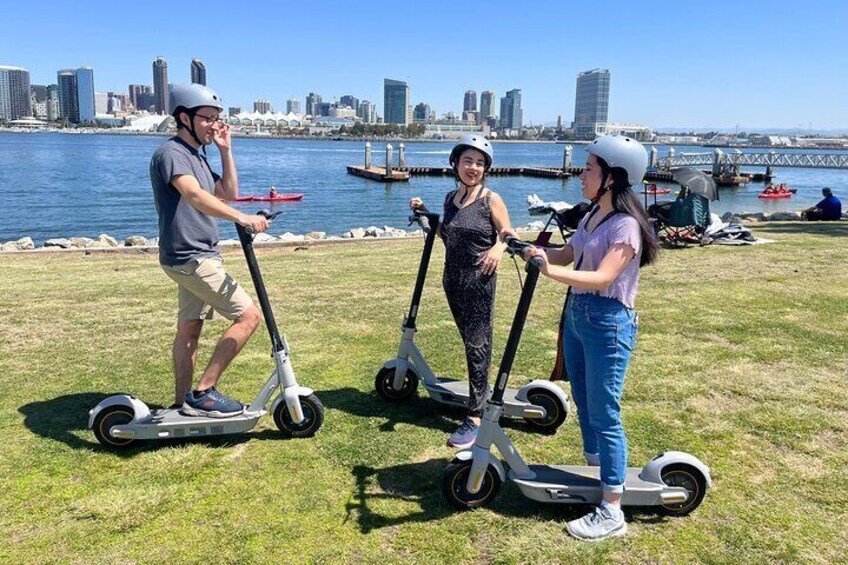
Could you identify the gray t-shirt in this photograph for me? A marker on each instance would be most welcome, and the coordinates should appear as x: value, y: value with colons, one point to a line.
x: 592, y: 247
x: 185, y: 233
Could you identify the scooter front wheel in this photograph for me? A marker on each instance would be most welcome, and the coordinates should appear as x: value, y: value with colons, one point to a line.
x: 384, y: 384
x: 455, y: 490
x: 108, y: 418
x: 313, y: 417
x: 689, y: 478
x: 555, y: 412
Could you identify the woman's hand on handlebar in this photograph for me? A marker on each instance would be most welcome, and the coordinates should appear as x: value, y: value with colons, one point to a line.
x: 415, y: 203
x: 256, y: 222
x: 533, y: 251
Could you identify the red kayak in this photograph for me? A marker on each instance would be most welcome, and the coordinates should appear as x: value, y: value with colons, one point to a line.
x: 774, y: 195
x: 279, y: 198
x: 657, y: 191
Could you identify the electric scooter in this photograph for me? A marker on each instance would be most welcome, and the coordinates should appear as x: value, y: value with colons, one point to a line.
x: 674, y: 481
x: 121, y: 420
x: 542, y: 404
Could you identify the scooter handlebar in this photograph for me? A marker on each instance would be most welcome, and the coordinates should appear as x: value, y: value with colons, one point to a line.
x: 517, y: 246
x: 424, y: 219
x: 264, y: 213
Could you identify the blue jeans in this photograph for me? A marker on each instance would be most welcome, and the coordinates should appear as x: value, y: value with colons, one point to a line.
x: 598, y: 336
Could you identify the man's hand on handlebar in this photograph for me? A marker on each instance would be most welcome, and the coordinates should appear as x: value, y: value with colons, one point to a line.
x: 256, y: 223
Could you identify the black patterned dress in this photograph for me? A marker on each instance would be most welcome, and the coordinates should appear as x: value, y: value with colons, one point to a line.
x: 468, y: 234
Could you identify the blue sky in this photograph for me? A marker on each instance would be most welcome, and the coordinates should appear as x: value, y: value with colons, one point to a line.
x: 754, y: 64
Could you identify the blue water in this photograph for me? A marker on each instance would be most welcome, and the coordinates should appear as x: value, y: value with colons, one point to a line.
x: 62, y: 185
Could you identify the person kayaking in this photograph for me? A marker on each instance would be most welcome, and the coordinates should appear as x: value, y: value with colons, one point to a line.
x: 273, y: 192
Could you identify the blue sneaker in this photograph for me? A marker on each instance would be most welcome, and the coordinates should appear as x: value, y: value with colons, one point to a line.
x: 464, y: 437
x: 210, y: 403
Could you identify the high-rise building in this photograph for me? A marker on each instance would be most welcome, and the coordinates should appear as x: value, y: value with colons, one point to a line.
x: 422, y: 113
x: 198, y: 72
x: 591, y: 103
x: 312, y: 101
x: 118, y: 102
x: 68, y: 102
x: 511, y: 113
x: 323, y: 108
x: 349, y: 101
x: 135, y: 91
x: 292, y: 106
x: 85, y: 94
x: 53, y: 113
x: 101, y: 103
x: 487, y: 106
x: 15, y: 95
x: 470, y: 102
x: 395, y: 102
x: 160, y: 85
x: 234, y: 110
x: 262, y: 106
x: 367, y: 112
x: 38, y: 100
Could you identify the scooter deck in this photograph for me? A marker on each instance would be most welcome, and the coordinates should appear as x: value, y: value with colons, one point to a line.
x: 170, y: 423
x: 455, y: 392
x: 570, y: 484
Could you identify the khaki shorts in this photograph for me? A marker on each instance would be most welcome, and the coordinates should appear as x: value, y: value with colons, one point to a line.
x: 205, y: 288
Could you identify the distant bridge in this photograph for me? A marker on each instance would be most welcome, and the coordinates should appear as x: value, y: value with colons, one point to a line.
x: 718, y: 159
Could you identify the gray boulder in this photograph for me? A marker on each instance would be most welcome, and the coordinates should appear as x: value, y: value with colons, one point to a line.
x: 783, y: 217
x: 25, y: 244
x: 290, y: 237
x: 136, y: 241
x: 9, y: 246
x: 263, y: 237
x: 373, y: 231
x: 60, y: 242
x: 107, y: 240
x: 81, y: 242
x: 316, y: 235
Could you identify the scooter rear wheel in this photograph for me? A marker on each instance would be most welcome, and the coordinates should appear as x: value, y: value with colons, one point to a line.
x: 688, y: 477
x: 313, y: 417
x: 555, y: 412
x: 454, y: 486
x: 384, y: 384
x: 106, y: 420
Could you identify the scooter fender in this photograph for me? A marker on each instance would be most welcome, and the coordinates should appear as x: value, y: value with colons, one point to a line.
x: 652, y: 471
x: 291, y: 396
x: 468, y: 455
x: 139, y: 408
x: 554, y: 388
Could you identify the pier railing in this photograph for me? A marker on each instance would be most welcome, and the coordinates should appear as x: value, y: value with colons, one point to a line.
x: 766, y: 159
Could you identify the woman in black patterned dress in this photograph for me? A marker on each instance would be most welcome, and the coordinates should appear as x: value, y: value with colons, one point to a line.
x: 472, y: 218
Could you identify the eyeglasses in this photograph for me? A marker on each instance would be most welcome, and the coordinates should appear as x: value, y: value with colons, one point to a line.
x: 210, y: 119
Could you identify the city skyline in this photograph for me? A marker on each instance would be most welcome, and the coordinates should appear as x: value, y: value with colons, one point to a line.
x: 680, y: 70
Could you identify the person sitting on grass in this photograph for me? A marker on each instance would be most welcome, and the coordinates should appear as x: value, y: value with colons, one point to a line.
x: 828, y: 209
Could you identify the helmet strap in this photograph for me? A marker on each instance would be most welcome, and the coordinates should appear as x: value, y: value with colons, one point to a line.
x: 191, y: 130
x: 603, y: 188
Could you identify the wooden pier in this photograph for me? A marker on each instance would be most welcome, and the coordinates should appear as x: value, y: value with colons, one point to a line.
x: 379, y: 174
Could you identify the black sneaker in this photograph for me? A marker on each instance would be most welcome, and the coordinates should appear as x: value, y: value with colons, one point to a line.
x: 210, y: 403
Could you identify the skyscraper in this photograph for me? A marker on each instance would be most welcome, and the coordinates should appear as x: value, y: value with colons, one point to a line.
x: 15, y: 95
x: 367, y: 112
x: 422, y: 113
x: 312, y: 101
x: 85, y: 94
x: 470, y: 102
x: 487, y: 106
x: 160, y: 85
x: 511, y: 113
x: 591, y: 103
x: 395, y: 101
x: 349, y: 101
x: 262, y: 106
x: 292, y: 106
x: 68, y: 102
x: 198, y: 72
x: 53, y: 113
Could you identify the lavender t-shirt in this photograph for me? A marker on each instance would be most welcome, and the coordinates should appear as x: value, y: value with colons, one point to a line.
x: 593, y: 247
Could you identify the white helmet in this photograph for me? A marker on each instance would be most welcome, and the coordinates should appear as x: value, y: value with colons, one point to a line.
x: 622, y: 152
x: 190, y: 96
x: 472, y: 141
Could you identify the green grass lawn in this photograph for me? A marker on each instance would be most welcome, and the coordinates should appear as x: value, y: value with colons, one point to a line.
x: 741, y: 361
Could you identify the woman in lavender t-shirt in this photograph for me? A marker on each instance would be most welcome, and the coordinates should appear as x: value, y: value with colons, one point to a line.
x: 599, y: 329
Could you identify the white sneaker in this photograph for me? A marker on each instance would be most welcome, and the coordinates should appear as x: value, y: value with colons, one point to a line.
x: 597, y: 525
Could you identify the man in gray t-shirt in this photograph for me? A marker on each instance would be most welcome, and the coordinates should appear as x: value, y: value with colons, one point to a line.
x: 189, y: 199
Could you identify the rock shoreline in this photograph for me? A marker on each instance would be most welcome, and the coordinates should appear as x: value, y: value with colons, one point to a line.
x: 137, y: 243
